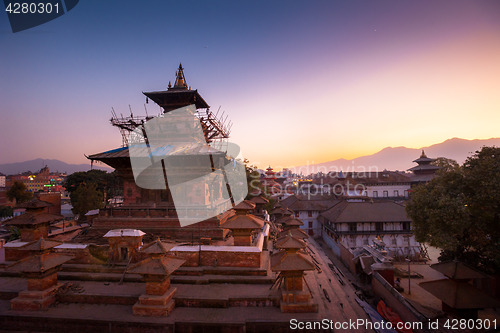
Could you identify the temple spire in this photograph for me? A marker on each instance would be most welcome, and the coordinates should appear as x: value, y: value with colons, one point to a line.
x: 180, y: 80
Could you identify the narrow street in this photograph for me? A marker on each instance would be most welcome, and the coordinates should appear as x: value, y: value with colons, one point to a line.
x: 332, y: 290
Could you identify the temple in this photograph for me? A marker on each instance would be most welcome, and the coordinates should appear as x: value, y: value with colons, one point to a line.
x: 137, y: 268
x: 153, y: 210
x: 424, y: 171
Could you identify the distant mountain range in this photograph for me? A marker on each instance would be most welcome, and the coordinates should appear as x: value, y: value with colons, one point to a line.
x: 390, y: 158
x: 400, y: 158
x: 54, y: 166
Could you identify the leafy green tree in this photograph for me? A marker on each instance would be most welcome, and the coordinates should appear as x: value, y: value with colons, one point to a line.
x: 446, y: 164
x: 85, y: 198
x: 19, y: 193
x: 459, y: 211
x: 6, y: 211
x: 109, y: 184
x: 14, y: 233
x: 253, y: 179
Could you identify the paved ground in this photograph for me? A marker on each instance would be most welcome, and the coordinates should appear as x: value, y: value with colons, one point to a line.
x: 343, y: 304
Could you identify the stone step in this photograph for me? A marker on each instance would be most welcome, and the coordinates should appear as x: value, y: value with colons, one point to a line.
x: 180, y: 301
x: 205, y: 279
x: 187, y: 271
x: 87, y: 298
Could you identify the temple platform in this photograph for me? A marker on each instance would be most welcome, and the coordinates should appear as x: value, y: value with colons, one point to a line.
x: 107, y: 306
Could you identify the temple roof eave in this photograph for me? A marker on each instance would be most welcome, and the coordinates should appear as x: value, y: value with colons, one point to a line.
x: 159, y: 97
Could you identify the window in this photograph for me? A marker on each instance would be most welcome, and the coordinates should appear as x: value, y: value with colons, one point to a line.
x: 297, y: 214
x: 406, y: 193
x: 375, y: 194
x: 310, y: 225
x: 406, y: 226
x: 379, y: 226
x: 353, y: 227
x: 309, y: 214
x: 394, y: 241
x: 386, y: 194
x: 396, y: 193
x: 365, y: 241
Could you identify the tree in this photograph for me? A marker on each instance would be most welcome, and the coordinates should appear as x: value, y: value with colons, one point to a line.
x: 19, y: 193
x: 108, y: 184
x: 459, y: 211
x: 446, y: 164
x: 253, y: 179
x: 6, y: 211
x: 85, y: 198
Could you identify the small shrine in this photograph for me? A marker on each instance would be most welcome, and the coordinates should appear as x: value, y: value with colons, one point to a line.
x: 291, y: 223
x: 40, y: 270
x: 279, y: 212
x: 291, y: 264
x: 35, y: 222
x: 123, y: 244
x: 243, y: 224
x: 297, y: 233
x: 259, y: 202
x: 156, y: 270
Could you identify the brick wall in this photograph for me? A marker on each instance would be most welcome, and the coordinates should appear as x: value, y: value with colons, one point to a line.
x: 220, y: 258
x: 394, y: 300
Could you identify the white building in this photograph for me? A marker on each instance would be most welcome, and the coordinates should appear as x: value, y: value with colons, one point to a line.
x: 307, y: 208
x: 388, y: 190
x: 356, y: 224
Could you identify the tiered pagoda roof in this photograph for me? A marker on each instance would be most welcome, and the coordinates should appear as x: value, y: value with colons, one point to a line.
x: 289, y: 259
x: 290, y: 242
x: 157, y: 248
x: 424, y: 165
x: 34, y: 214
x: 259, y: 200
x: 244, y: 222
x: 39, y: 263
x: 281, y: 211
x: 292, y: 222
x: 156, y: 266
x: 244, y: 206
x: 459, y: 295
x: 297, y: 233
x: 177, y: 96
x: 33, y: 219
x: 458, y: 270
x: 283, y: 261
x: 34, y: 204
x: 40, y: 245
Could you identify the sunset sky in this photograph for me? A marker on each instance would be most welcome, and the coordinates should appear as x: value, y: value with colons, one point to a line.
x: 302, y: 81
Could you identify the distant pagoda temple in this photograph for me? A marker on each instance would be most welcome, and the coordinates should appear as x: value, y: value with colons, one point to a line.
x: 153, y: 210
x: 424, y: 171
